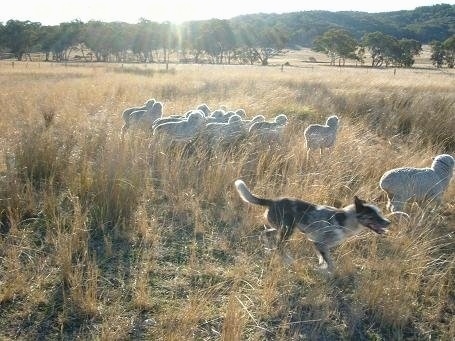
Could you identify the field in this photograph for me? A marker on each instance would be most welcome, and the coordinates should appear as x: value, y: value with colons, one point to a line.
x: 110, y: 239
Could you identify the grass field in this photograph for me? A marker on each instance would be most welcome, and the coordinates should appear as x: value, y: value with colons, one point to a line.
x: 103, y: 239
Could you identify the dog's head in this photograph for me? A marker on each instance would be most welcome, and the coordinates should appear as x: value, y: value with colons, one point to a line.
x: 370, y: 216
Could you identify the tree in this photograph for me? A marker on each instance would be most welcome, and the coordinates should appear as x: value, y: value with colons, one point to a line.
x: 380, y: 46
x: 261, y: 42
x: 47, y: 38
x: 218, y: 40
x: 449, y: 49
x: 68, y: 36
x: 337, y: 44
x: 19, y: 37
x: 437, y: 54
x: 407, y: 49
x: 146, y: 39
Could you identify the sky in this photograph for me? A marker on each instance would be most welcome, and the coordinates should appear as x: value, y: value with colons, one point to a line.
x: 53, y: 12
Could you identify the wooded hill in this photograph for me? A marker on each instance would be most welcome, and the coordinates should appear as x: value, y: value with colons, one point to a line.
x: 424, y: 24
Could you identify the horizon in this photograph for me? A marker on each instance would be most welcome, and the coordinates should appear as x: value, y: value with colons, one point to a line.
x: 51, y: 12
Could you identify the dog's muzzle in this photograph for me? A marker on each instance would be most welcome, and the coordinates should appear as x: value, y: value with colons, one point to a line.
x: 380, y: 228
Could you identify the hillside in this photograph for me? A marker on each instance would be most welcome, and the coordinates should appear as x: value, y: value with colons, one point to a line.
x: 423, y: 23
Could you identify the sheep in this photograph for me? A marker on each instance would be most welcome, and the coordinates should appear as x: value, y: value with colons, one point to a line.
x: 127, y: 112
x: 408, y: 184
x: 241, y: 113
x: 216, y: 116
x: 226, y: 131
x: 172, y: 118
x: 204, y: 108
x: 184, y: 130
x: 147, y: 117
x: 168, y: 119
x: 266, y: 127
x: 319, y: 136
x: 249, y: 123
x: 143, y: 118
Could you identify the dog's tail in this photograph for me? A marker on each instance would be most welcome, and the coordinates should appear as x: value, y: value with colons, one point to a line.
x: 249, y: 197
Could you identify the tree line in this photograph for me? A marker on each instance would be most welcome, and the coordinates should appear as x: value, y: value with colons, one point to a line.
x: 213, y: 41
x: 245, y: 39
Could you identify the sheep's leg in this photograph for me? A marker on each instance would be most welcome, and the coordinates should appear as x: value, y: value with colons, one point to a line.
x: 124, y: 129
x: 434, y: 203
x: 397, y: 203
x: 389, y: 202
x: 308, y: 154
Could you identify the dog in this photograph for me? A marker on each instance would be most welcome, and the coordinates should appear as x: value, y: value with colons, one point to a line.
x: 325, y: 226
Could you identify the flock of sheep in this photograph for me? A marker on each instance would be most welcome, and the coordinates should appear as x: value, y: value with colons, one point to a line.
x: 401, y: 185
x: 221, y: 124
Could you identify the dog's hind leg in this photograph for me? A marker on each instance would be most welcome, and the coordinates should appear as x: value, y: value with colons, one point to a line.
x: 285, y: 232
x: 265, y: 237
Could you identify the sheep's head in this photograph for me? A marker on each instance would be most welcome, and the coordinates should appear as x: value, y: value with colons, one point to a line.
x: 157, y: 108
x: 258, y: 118
x: 234, y: 118
x: 204, y: 108
x: 241, y: 113
x: 333, y: 121
x: 281, y: 119
x: 196, y: 118
x: 149, y: 103
x: 444, y: 160
x: 217, y: 114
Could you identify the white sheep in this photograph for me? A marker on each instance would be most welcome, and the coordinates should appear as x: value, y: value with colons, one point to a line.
x: 249, y: 123
x: 408, y: 184
x: 144, y: 118
x: 232, y: 129
x: 171, y: 118
x: 127, y: 112
x: 275, y: 126
x: 241, y: 113
x: 318, y: 136
x: 216, y: 116
x: 183, y: 130
x: 204, y: 108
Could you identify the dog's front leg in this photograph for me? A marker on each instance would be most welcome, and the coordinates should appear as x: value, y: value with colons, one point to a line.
x: 325, y: 260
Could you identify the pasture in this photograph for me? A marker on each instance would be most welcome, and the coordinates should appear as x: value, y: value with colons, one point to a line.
x: 104, y: 239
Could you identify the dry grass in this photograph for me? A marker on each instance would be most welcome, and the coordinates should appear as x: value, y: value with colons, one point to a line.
x: 111, y: 240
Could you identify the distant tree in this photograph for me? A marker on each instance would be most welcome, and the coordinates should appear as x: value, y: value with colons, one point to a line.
x: 246, y: 53
x: 190, y: 41
x: 258, y: 43
x: 405, y: 51
x: 47, y: 37
x: 380, y: 46
x: 449, y: 49
x: 68, y: 36
x: 437, y: 54
x: 19, y: 37
x: 337, y: 44
x: 360, y: 55
x: 218, y: 40
x: 146, y: 39
x: 98, y: 38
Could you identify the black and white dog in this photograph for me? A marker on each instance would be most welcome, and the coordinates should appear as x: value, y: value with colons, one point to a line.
x: 325, y: 226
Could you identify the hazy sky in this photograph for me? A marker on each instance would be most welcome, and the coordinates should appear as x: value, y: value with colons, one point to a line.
x: 51, y: 12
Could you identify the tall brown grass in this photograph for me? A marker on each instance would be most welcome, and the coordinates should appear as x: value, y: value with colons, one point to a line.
x: 141, y: 239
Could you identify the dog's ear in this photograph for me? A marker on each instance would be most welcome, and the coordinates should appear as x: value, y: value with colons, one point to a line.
x: 358, y: 203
